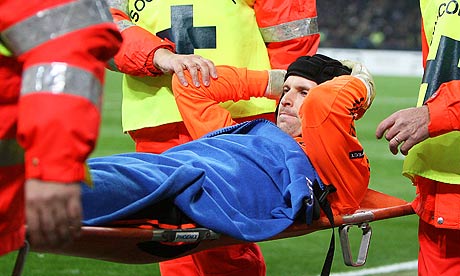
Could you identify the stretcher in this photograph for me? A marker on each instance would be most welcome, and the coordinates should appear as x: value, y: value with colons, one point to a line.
x: 131, y: 244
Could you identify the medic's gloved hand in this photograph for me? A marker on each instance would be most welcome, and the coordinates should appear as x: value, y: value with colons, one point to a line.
x: 275, y: 84
x: 360, y: 71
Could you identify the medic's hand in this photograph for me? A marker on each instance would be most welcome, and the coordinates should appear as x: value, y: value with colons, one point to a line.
x: 360, y: 71
x: 53, y: 212
x: 405, y: 128
x: 169, y: 62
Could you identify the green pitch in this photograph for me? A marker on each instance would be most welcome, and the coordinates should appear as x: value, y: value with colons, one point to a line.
x: 393, y: 240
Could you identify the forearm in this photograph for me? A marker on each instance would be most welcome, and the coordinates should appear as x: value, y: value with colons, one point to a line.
x: 330, y: 140
x: 200, y: 107
x: 283, y: 53
x: 289, y: 30
x: 444, y: 109
x: 59, y: 107
x: 135, y: 56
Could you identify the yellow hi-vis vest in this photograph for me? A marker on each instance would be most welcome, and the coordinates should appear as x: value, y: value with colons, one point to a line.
x: 438, y: 158
x: 4, y: 51
x: 225, y: 32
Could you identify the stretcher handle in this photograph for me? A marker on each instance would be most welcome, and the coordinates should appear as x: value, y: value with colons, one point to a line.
x: 363, y: 248
x: 21, y: 259
x: 189, y: 238
x: 184, y: 235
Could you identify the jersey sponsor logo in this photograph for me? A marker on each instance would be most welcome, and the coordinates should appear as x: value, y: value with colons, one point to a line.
x: 187, y: 237
x: 356, y: 154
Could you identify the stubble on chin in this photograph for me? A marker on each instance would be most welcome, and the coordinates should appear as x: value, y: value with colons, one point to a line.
x: 292, y: 129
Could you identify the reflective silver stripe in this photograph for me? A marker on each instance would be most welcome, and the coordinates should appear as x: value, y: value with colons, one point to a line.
x: 11, y: 152
x: 52, y: 23
x: 124, y: 24
x: 59, y: 77
x: 121, y: 5
x: 290, y: 30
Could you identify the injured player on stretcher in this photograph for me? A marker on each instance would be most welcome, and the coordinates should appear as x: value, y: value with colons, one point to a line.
x: 250, y: 180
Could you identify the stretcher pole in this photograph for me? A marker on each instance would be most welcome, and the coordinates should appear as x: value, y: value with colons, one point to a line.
x: 21, y: 259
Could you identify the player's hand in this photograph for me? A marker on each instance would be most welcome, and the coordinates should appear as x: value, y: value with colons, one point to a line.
x: 405, y: 128
x: 361, y: 72
x: 53, y: 212
x: 169, y: 62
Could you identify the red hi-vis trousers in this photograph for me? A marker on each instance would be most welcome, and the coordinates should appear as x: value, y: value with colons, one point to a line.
x: 439, y: 252
x: 12, y: 213
x: 438, y: 205
x: 233, y: 260
x: 12, y: 231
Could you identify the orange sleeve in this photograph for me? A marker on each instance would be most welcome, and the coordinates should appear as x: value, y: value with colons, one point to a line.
x: 276, y: 13
x: 59, y: 130
x: 444, y: 108
x: 330, y: 139
x: 135, y: 56
x: 199, y: 106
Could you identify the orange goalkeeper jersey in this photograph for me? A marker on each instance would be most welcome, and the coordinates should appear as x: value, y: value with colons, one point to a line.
x: 328, y: 132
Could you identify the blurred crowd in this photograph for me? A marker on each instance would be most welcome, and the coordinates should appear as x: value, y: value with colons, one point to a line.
x: 376, y: 24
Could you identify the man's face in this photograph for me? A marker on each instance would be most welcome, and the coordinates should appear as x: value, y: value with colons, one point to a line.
x: 295, y: 90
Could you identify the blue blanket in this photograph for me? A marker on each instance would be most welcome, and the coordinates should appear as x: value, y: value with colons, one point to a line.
x: 249, y: 181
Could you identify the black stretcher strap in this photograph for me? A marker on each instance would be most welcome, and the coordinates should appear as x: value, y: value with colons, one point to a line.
x: 21, y: 259
x: 321, y: 197
x: 166, y: 251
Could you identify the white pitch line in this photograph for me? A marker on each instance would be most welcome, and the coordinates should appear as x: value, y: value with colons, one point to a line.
x: 412, y: 265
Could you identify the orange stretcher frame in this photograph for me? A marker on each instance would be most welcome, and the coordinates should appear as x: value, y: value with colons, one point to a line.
x: 129, y: 245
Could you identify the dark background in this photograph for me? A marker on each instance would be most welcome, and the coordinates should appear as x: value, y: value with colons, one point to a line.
x: 369, y: 24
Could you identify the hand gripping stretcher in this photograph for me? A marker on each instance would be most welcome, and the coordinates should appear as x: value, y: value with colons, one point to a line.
x: 126, y: 243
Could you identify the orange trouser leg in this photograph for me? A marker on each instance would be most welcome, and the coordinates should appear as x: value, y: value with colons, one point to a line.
x: 233, y: 260
x: 439, y: 252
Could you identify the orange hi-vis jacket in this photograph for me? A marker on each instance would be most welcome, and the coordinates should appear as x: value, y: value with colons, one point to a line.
x: 328, y: 131
x: 51, y: 83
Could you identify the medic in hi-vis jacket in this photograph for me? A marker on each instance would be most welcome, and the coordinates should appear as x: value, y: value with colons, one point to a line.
x: 434, y: 164
x: 252, y: 34
x: 52, y: 66
x: 429, y: 135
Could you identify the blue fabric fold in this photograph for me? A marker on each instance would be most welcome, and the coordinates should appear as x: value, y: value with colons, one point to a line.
x: 248, y: 181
